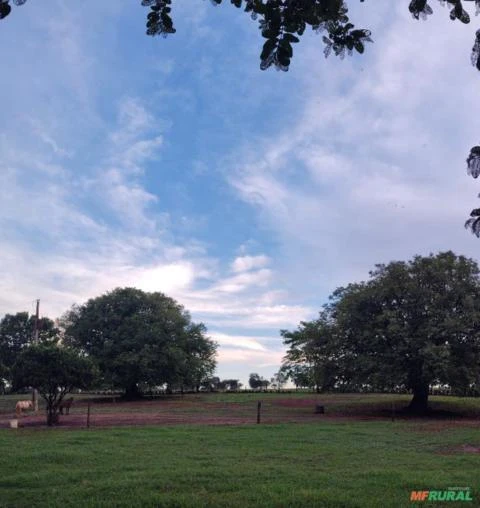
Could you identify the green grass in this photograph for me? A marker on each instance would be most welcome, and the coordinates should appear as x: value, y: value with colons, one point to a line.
x: 355, y: 464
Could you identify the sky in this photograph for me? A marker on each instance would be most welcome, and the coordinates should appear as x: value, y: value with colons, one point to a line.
x: 176, y: 165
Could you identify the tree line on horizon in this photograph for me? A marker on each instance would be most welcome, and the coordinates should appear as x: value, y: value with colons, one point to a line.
x: 411, y: 326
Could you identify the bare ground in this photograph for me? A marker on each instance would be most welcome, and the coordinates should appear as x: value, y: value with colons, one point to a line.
x: 201, y: 411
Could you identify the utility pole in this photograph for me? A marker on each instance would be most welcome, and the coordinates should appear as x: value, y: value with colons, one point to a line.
x: 35, y: 341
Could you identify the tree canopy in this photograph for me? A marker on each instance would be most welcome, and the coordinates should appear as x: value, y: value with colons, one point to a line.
x: 140, y: 338
x: 283, y: 22
x: 16, y: 332
x: 412, y: 325
x: 54, y: 371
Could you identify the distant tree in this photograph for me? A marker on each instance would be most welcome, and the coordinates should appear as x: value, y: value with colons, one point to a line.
x: 278, y: 380
x: 211, y: 384
x: 141, y: 338
x: 257, y: 382
x: 16, y: 332
x: 54, y: 371
x: 232, y: 385
x: 254, y: 380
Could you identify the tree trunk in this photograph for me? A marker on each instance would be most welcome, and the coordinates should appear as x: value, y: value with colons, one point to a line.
x: 419, y: 403
x: 52, y: 416
x: 132, y: 392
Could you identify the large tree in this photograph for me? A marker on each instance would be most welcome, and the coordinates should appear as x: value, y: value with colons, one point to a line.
x: 54, y: 371
x: 141, y: 338
x: 413, y: 324
x: 283, y: 22
x: 16, y: 332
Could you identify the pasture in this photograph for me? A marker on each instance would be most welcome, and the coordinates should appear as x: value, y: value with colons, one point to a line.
x: 353, y: 456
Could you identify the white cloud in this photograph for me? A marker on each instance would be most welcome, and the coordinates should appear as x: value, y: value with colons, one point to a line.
x: 251, y: 359
x: 238, y: 341
x: 44, y: 135
x: 139, y: 152
x: 245, y: 263
x: 133, y: 120
x: 127, y: 198
x: 244, y: 313
x: 167, y: 278
x: 244, y: 281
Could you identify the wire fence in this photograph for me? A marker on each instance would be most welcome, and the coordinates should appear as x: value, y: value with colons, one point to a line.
x: 234, y: 409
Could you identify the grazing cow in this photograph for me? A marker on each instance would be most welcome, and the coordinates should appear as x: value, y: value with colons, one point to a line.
x: 65, y: 404
x: 21, y: 405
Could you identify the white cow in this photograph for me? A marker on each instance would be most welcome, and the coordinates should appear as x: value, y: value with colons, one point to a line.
x: 21, y: 405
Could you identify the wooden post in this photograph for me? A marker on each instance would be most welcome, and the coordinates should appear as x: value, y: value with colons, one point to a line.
x: 88, y: 416
x: 393, y: 410
x: 35, y: 341
x: 259, y: 407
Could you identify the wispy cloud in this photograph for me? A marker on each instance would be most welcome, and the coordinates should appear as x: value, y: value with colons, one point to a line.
x: 245, y: 263
x: 238, y: 341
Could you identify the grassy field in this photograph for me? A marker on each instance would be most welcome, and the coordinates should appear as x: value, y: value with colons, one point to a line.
x: 317, y: 461
x: 354, y: 464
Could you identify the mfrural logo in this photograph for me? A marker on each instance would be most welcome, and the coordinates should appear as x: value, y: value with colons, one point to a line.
x: 450, y: 494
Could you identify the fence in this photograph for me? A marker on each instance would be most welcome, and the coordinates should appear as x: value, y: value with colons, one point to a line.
x: 230, y: 409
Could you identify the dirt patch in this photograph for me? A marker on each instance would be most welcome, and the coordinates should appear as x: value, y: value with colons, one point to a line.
x: 123, y: 418
x: 424, y: 425
x: 297, y: 402
x: 175, y: 413
x: 205, y: 411
x: 465, y: 448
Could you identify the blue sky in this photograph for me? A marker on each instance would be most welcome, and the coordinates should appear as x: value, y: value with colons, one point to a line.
x: 176, y: 165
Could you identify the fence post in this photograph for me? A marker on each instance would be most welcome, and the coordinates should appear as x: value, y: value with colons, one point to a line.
x: 393, y: 410
x: 88, y: 415
x: 259, y: 407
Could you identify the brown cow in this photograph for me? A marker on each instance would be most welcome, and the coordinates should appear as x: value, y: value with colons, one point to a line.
x: 65, y: 404
x: 21, y: 405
